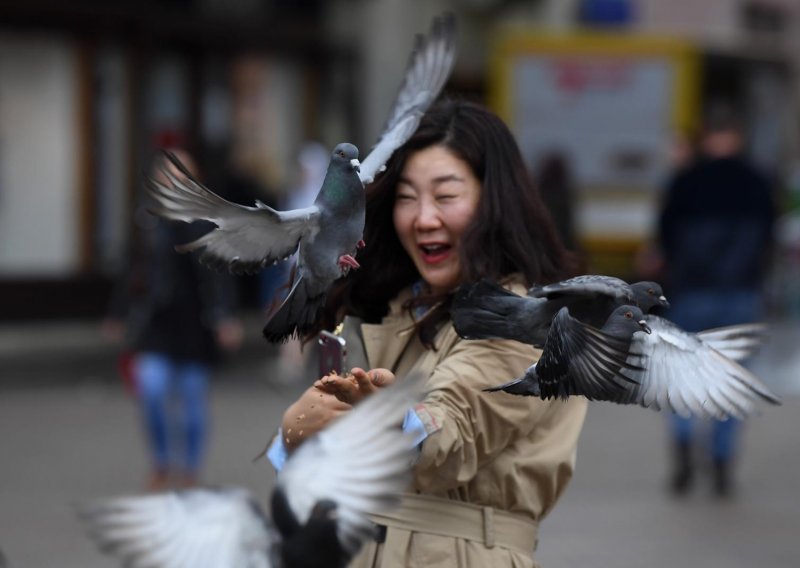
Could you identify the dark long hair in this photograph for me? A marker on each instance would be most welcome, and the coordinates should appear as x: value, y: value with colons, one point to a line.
x: 512, y: 231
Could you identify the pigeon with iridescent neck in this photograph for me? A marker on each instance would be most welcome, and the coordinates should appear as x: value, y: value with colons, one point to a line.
x: 329, y: 232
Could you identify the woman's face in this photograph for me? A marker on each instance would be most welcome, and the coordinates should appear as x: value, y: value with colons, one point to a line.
x: 436, y: 198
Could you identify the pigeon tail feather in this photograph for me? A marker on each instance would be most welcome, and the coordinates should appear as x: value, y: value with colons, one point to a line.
x: 526, y: 385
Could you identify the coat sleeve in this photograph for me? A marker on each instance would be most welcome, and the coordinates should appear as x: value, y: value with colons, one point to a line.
x: 468, y: 427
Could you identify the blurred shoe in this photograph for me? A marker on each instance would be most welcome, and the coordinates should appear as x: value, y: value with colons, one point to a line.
x: 722, y: 479
x: 683, y: 477
x: 157, y: 482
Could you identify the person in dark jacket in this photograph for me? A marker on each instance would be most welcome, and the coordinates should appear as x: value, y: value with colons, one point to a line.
x: 177, y: 314
x: 715, y: 232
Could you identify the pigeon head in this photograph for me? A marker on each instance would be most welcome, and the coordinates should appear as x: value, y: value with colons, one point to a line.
x: 649, y: 295
x: 346, y: 154
x: 629, y: 319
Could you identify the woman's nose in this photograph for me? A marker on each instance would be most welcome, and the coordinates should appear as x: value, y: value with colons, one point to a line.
x: 428, y: 216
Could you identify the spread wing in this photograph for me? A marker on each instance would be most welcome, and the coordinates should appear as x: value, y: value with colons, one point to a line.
x: 737, y: 342
x: 584, y: 360
x: 687, y: 375
x: 586, y: 285
x: 362, y: 462
x: 246, y: 238
x: 428, y: 69
x: 191, y: 529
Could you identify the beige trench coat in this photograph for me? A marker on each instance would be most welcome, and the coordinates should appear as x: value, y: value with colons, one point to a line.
x: 509, y: 452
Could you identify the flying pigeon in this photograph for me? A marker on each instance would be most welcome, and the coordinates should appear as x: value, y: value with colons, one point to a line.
x: 329, y: 232
x: 486, y: 310
x: 357, y: 466
x: 665, y: 368
x: 580, y: 359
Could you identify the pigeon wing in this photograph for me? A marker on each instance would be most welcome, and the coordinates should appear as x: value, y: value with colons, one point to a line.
x: 683, y: 373
x: 246, y: 238
x: 362, y: 462
x: 429, y: 67
x: 189, y: 529
x: 586, y: 285
x: 589, y: 360
x: 737, y: 342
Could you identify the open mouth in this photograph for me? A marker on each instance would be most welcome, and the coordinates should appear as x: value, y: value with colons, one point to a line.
x: 435, y: 252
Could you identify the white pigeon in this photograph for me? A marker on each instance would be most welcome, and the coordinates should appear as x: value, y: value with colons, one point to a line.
x: 357, y: 466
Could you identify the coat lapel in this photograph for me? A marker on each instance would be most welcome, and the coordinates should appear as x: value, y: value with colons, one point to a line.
x: 385, y: 342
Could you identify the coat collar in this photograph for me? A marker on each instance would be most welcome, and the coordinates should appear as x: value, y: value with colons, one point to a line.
x: 385, y: 342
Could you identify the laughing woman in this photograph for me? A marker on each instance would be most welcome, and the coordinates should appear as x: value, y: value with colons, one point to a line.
x: 455, y: 205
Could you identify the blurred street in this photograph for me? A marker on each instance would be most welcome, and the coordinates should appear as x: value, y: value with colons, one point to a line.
x: 70, y: 434
x: 622, y: 114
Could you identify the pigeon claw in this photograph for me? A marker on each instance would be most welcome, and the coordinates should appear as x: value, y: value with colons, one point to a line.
x: 361, y: 244
x: 346, y: 261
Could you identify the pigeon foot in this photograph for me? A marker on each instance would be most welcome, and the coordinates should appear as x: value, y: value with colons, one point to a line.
x: 346, y: 261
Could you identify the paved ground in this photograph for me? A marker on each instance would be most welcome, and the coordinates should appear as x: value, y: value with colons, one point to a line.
x: 69, y: 434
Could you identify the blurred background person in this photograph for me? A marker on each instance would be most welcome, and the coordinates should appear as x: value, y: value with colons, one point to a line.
x: 648, y: 261
x: 715, y: 233
x: 553, y: 177
x: 176, y: 315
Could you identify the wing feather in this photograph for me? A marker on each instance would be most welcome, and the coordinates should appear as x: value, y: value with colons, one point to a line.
x: 687, y: 375
x: 246, y: 239
x: 588, y: 284
x: 188, y: 529
x: 429, y: 66
x: 594, y: 358
x: 737, y: 342
x: 362, y: 461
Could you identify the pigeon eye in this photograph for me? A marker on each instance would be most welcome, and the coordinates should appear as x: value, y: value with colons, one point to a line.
x: 651, y: 291
x: 629, y: 315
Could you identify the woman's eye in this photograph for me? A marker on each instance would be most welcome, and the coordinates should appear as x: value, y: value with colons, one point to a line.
x: 404, y: 197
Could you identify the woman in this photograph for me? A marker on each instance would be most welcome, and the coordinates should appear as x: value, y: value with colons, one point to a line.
x: 454, y: 205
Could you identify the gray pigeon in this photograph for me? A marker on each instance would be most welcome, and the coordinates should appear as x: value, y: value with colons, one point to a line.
x: 580, y: 359
x: 486, y: 310
x: 666, y: 368
x: 357, y: 466
x: 329, y: 232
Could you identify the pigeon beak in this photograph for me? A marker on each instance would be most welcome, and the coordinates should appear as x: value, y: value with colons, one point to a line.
x: 645, y: 327
x: 356, y: 164
x: 663, y: 301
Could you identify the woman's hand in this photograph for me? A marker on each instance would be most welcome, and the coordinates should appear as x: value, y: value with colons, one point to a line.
x: 353, y: 388
x: 308, y: 415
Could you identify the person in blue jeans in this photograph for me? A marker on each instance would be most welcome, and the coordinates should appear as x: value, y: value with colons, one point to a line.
x: 715, y: 235
x: 178, y: 315
x: 694, y: 312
